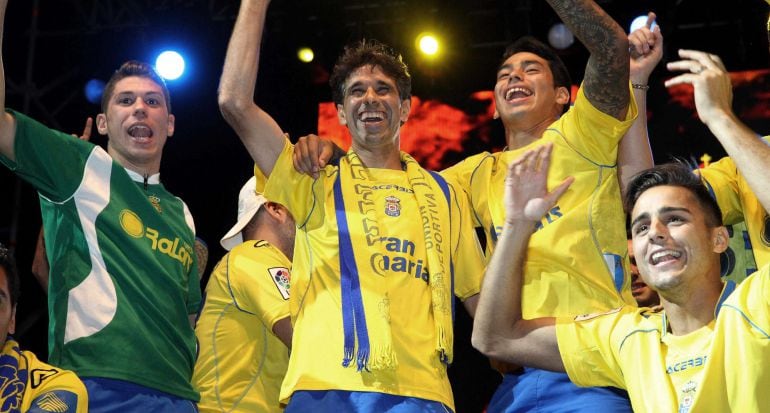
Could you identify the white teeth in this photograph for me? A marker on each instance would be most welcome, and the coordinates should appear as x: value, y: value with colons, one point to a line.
x: 371, y: 116
x: 658, y: 256
x: 511, y: 91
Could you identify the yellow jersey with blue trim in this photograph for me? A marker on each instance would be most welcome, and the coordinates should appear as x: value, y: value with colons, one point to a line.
x: 577, y: 261
x: 395, y: 265
x: 719, y: 367
x: 241, y: 363
x: 739, y: 205
x: 51, y: 389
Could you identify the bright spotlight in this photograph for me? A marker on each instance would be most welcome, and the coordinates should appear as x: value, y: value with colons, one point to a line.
x: 639, y: 22
x: 560, y: 37
x: 305, y: 54
x: 93, y: 90
x: 170, y: 65
x: 428, y: 44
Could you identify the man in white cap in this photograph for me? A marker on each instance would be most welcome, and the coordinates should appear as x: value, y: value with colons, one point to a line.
x: 244, y: 330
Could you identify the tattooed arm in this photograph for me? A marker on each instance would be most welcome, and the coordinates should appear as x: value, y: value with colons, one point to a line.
x: 606, y: 78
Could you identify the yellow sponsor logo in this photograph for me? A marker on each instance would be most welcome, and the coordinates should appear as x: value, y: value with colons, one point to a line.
x: 176, y: 248
x: 131, y: 223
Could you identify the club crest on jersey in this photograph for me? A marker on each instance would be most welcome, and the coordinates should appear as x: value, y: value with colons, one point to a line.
x: 281, y: 278
x: 392, y: 206
x: 155, y: 201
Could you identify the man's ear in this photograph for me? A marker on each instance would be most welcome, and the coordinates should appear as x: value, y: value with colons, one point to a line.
x: 170, y: 125
x: 562, y: 95
x: 721, y: 239
x: 101, y: 123
x: 406, y: 106
x: 341, y: 115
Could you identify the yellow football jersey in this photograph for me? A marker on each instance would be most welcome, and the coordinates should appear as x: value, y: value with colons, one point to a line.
x: 577, y: 258
x: 241, y: 363
x: 739, y: 204
x: 51, y: 389
x: 720, y: 367
x: 398, y: 263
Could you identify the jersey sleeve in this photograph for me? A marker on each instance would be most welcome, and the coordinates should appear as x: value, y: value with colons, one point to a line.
x: 467, y: 256
x: 299, y: 193
x: 462, y: 175
x: 592, y: 133
x: 259, y: 283
x: 50, y: 389
x: 49, y: 160
x: 723, y: 182
x: 585, y: 345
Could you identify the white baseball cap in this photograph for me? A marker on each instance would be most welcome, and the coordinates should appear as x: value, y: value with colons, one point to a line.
x: 249, y: 202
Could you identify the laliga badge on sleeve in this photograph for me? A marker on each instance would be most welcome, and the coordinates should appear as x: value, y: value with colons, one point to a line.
x: 281, y: 277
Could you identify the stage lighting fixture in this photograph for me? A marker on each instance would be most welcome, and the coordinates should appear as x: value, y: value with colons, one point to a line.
x: 560, y: 37
x: 170, y: 65
x: 639, y: 22
x: 305, y: 54
x: 93, y: 90
x: 428, y: 44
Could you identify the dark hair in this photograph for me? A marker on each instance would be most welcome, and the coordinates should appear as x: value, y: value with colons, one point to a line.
x: 138, y: 69
x: 8, y: 263
x: 679, y: 175
x: 370, y: 53
x: 561, y: 77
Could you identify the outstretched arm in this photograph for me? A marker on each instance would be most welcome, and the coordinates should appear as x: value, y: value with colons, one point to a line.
x: 7, y: 122
x: 498, y: 328
x: 634, y: 153
x: 258, y: 131
x: 606, y: 77
x: 713, y: 100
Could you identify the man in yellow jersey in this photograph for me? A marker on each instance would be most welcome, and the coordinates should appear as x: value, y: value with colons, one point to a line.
x: 379, y: 252
x: 738, y: 181
x: 29, y: 385
x: 706, y: 350
x: 532, y: 94
x: 244, y: 330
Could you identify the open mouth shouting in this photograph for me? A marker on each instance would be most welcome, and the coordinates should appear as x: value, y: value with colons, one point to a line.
x: 140, y: 131
x: 372, y: 118
x: 664, y: 257
x: 515, y: 93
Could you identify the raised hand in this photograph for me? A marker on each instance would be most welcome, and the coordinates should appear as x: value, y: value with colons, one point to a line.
x: 526, y: 193
x: 86, y: 136
x: 646, y: 47
x: 711, y: 81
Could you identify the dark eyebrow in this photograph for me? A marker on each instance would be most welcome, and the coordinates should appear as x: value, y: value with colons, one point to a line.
x: 664, y: 210
x: 639, y: 218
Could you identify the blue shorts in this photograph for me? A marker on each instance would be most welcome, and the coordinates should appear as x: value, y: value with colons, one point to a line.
x: 340, y: 401
x: 110, y: 395
x: 545, y: 391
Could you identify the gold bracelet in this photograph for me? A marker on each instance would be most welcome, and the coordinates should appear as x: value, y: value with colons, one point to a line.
x: 640, y: 86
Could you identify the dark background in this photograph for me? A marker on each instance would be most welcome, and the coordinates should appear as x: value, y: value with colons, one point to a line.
x: 52, y: 47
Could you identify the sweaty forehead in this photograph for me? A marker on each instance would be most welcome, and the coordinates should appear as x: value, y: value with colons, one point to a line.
x: 664, y: 198
x: 522, y: 58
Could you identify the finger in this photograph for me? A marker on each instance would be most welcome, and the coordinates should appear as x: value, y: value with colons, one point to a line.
x: 692, y: 66
x: 327, y: 150
x: 650, y: 20
x: 557, y: 192
x: 86, y: 136
x: 687, y: 78
x: 313, y: 152
x: 544, y: 157
x: 300, y: 155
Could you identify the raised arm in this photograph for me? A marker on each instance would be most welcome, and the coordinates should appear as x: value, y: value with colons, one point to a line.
x: 258, y: 131
x: 7, y: 122
x: 606, y: 77
x: 713, y: 100
x: 498, y: 328
x: 634, y: 153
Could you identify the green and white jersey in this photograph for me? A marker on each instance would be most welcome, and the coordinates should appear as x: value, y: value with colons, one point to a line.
x: 123, y: 275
